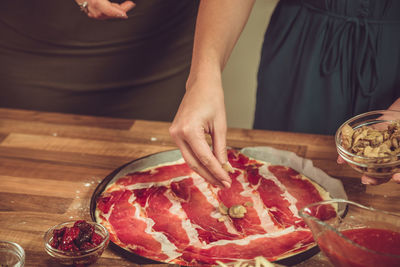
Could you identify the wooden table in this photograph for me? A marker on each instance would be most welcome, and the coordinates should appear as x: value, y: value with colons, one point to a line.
x: 51, y: 163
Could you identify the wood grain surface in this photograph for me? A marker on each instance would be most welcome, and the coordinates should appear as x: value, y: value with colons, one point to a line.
x: 51, y: 163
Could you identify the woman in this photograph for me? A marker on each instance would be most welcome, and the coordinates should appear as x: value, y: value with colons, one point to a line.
x: 53, y: 57
x: 322, y: 62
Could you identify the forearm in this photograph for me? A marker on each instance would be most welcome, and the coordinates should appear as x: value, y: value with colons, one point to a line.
x: 395, y: 105
x: 218, y: 27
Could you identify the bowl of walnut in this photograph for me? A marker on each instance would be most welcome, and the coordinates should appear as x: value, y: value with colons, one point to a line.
x: 370, y: 143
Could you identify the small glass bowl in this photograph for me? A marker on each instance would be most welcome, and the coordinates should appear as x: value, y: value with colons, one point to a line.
x: 11, y: 254
x: 82, y: 257
x: 371, y: 166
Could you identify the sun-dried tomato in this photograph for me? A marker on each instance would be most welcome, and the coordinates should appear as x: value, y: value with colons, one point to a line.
x: 81, y: 236
x: 96, y: 239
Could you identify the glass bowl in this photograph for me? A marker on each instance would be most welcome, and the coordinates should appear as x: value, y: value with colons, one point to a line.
x: 81, y: 257
x: 11, y: 254
x: 359, y: 236
x: 373, y: 166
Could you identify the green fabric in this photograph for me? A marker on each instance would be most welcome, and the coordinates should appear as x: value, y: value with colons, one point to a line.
x: 324, y: 61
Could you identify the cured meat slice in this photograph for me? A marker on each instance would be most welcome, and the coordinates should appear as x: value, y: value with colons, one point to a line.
x: 278, y: 206
x: 157, y: 207
x: 159, y: 174
x: 199, y: 211
x: 240, y: 161
x: 266, y: 246
x: 301, y: 189
x: 105, y: 202
x: 284, y: 191
x: 274, y: 197
x: 131, y: 231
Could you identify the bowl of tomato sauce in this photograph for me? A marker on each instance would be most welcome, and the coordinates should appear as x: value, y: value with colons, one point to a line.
x: 360, y: 236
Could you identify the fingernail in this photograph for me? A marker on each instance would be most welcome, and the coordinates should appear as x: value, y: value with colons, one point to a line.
x: 227, y: 184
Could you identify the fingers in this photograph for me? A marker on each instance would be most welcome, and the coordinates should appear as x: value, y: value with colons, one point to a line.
x: 203, y: 153
x: 198, y: 155
x: 195, y: 165
x: 372, y: 181
x: 104, y: 9
x: 127, y: 5
x: 340, y: 160
x: 368, y: 180
x: 396, y: 177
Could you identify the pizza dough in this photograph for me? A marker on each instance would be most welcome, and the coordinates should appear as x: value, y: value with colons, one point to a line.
x: 170, y: 214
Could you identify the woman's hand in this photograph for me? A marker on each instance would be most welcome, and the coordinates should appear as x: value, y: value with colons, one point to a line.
x: 104, y: 9
x: 202, y: 112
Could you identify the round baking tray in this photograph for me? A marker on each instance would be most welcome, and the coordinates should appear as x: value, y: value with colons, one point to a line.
x: 169, y: 156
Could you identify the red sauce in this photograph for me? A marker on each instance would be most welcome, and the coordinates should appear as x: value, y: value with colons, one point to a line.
x: 343, y: 254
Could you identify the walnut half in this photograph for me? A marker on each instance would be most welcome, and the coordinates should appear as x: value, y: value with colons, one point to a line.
x: 237, y: 211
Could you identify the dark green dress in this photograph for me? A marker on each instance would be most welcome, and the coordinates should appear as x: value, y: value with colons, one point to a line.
x: 54, y: 58
x: 324, y: 61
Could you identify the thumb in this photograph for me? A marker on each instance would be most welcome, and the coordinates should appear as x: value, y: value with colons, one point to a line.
x: 340, y: 160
